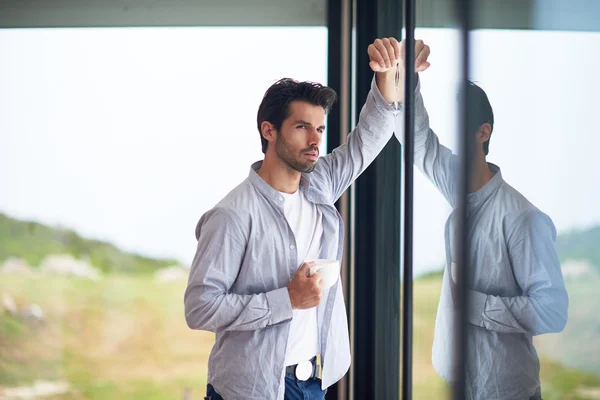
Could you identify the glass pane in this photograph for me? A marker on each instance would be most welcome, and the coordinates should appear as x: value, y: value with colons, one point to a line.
x: 533, y: 250
x: 534, y: 227
x: 437, y: 99
x: 113, y: 142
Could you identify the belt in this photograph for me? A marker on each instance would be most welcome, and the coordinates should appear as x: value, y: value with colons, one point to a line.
x: 306, y: 369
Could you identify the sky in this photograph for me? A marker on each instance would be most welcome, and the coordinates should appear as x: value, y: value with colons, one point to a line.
x: 130, y: 135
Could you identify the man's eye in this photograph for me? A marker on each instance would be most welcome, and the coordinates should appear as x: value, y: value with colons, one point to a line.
x: 302, y: 126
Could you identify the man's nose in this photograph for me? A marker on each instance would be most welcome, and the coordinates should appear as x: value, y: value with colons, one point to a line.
x: 315, y: 138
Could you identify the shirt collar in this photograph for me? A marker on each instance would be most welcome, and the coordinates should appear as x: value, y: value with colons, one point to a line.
x: 489, y: 188
x: 269, y: 192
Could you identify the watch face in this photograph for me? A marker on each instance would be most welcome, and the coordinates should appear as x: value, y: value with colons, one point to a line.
x: 304, y: 370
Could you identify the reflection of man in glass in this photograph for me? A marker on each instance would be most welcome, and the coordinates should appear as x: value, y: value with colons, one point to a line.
x: 516, y: 285
x: 279, y: 332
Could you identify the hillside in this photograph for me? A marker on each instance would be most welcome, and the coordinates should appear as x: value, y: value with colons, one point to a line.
x: 580, y: 244
x: 32, y: 241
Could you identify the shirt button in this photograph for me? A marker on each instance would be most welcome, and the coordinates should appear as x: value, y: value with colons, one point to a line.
x: 292, y: 247
x: 281, y: 199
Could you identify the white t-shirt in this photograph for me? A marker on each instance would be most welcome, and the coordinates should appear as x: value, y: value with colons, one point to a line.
x: 305, y: 220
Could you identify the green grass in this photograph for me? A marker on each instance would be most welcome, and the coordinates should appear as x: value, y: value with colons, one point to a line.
x: 577, y: 345
x: 562, y: 383
x: 11, y: 329
x: 125, y: 337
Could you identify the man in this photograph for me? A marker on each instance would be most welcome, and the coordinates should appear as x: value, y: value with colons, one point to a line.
x: 278, y: 333
x: 516, y: 285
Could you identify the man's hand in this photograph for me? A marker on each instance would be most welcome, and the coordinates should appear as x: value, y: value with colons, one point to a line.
x: 384, y: 55
x: 305, y: 291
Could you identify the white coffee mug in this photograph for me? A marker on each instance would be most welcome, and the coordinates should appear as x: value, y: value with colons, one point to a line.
x: 454, y: 272
x: 330, y: 271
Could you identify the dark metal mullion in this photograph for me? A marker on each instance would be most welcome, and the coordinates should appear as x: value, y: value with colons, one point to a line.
x: 338, y: 125
x: 465, y: 14
x: 408, y: 157
x: 363, y: 358
x: 377, y: 239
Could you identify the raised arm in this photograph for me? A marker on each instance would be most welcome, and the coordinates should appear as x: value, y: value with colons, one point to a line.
x: 376, y: 121
x: 433, y: 159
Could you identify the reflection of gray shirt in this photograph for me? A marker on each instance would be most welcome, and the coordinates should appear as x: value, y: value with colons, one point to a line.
x: 517, y: 285
x: 247, y: 255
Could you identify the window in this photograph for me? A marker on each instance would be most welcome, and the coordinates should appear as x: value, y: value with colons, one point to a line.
x: 544, y: 142
x: 113, y: 143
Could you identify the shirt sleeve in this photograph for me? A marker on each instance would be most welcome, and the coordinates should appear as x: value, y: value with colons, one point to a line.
x: 347, y: 162
x: 434, y: 160
x: 209, y: 304
x: 542, y: 307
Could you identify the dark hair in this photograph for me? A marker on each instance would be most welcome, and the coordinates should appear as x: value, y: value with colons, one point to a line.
x: 274, y: 107
x: 481, y: 112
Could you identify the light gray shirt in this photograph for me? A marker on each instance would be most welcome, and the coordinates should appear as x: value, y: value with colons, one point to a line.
x: 246, y: 256
x: 517, y: 287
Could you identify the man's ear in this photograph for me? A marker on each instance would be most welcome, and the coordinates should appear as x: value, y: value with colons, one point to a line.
x: 485, y: 131
x: 268, y: 131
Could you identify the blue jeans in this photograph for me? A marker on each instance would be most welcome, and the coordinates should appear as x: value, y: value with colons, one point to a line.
x: 303, y: 390
x: 294, y: 390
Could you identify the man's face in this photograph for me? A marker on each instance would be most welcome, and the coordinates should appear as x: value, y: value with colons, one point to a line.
x: 298, y: 140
